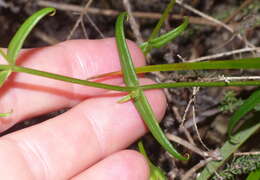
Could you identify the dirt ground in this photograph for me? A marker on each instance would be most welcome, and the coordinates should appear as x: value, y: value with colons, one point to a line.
x: 202, y: 38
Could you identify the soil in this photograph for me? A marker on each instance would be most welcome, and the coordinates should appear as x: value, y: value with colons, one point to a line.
x: 200, y: 39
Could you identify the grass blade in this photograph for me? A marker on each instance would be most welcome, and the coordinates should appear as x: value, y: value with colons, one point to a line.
x: 246, y: 63
x: 247, y: 106
x: 17, y: 41
x: 139, y: 99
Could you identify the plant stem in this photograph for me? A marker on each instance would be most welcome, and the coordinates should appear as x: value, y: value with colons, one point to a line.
x: 200, y: 84
x: 14, y: 68
x: 127, y: 89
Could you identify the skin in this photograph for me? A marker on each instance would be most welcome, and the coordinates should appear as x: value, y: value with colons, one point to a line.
x: 86, y: 142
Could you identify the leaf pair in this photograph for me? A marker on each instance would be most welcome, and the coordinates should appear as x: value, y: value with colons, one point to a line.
x: 130, y: 78
x: 129, y: 70
x: 140, y: 101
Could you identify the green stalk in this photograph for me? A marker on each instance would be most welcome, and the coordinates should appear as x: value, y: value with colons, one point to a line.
x: 139, y: 99
x: 200, y: 84
x: 127, y: 89
x: 14, y: 68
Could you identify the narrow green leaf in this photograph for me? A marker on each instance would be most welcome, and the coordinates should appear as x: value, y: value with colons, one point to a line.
x: 3, y: 76
x: 17, y: 41
x: 127, y: 65
x: 247, y: 63
x: 254, y: 175
x: 165, y: 16
x: 155, y: 172
x: 165, y: 38
x: 247, y: 106
x: 141, y: 102
x: 246, y: 131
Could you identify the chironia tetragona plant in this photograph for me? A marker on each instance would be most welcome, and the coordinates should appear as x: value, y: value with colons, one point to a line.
x: 135, y: 90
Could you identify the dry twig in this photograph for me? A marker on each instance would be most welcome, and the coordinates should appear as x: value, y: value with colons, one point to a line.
x: 133, y: 23
x: 242, y: 6
x: 247, y: 153
x: 194, y: 92
x: 79, y: 20
x: 45, y: 37
x: 224, y: 54
x: 195, y: 168
x: 187, y: 145
x: 230, y: 29
x: 110, y: 12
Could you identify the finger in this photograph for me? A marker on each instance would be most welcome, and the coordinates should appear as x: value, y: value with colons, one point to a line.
x: 123, y: 165
x: 66, y: 145
x: 28, y: 95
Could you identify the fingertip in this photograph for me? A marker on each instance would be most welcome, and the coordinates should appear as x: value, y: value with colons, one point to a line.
x: 127, y: 165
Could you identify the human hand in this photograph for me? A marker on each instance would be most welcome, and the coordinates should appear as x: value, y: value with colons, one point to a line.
x: 87, y: 141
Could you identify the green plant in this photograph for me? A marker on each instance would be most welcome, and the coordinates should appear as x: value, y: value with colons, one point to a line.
x: 250, y: 126
x: 230, y: 103
x: 247, y: 130
x: 139, y: 99
x: 135, y: 90
x: 238, y: 166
